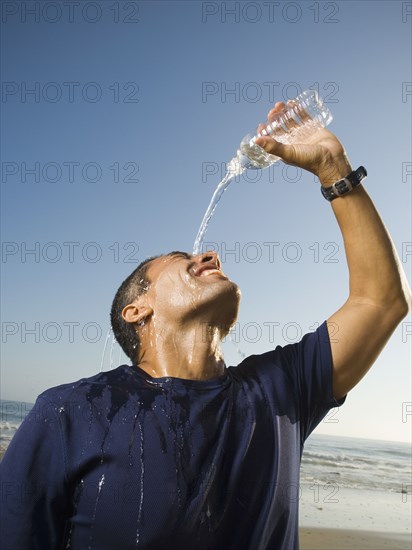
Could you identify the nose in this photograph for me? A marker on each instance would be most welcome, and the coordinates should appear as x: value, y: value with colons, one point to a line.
x: 210, y: 256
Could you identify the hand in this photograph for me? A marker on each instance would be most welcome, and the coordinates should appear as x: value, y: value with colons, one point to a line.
x: 322, y: 153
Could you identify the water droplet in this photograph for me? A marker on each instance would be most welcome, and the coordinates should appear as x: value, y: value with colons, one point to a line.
x: 99, y: 489
x: 101, y: 483
x: 139, y: 515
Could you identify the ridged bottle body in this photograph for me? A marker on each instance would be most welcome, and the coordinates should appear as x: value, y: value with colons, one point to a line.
x: 300, y: 118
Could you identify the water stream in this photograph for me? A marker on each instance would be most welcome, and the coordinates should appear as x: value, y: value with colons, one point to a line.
x: 234, y: 169
x: 250, y: 155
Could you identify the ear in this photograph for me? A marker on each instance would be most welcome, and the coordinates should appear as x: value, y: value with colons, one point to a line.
x: 133, y: 313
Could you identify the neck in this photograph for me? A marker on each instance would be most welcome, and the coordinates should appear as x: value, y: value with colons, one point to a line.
x: 183, y: 352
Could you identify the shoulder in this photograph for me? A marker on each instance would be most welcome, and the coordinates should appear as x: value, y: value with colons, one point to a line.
x: 285, y: 361
x: 84, y: 388
x: 273, y: 369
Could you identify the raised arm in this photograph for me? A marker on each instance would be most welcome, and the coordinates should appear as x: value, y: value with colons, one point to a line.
x: 379, y: 296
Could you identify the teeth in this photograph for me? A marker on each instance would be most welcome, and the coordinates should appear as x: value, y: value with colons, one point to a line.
x: 207, y: 272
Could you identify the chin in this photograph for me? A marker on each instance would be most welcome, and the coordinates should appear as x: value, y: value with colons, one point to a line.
x: 216, y: 304
x: 226, y: 305
x: 225, y: 290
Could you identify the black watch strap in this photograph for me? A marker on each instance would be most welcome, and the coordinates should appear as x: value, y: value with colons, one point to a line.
x: 345, y: 185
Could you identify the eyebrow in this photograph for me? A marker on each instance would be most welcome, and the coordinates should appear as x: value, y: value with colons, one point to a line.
x: 178, y: 253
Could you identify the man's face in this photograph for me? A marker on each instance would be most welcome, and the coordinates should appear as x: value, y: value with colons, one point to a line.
x: 184, y: 287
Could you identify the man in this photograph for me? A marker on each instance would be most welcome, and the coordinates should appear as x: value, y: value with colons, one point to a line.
x: 177, y: 451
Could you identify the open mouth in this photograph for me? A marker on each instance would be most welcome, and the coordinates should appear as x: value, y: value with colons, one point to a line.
x: 209, y: 269
x: 208, y: 272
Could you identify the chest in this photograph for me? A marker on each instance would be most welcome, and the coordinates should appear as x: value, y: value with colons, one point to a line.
x: 175, y: 469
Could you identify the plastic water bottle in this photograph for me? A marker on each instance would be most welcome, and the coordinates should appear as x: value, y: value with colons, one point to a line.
x: 297, y: 121
x: 300, y: 118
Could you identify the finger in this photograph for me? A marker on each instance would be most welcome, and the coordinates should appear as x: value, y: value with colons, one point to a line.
x: 299, y: 110
x: 276, y: 110
x: 272, y: 115
x: 260, y: 128
x: 288, y: 121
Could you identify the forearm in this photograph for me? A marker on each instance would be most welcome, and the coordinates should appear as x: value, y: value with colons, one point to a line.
x: 379, y: 296
x: 375, y: 272
x: 376, y: 276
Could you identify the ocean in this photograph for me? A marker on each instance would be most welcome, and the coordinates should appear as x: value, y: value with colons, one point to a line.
x: 356, y: 463
x: 12, y: 413
x: 334, y: 460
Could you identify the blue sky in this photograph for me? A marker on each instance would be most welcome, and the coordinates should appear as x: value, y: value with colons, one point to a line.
x: 113, y: 157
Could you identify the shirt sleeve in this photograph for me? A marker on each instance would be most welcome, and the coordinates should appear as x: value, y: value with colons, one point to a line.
x: 34, y: 497
x: 298, y: 379
x: 312, y: 369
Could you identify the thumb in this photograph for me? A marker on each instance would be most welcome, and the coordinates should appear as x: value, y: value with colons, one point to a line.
x: 273, y: 147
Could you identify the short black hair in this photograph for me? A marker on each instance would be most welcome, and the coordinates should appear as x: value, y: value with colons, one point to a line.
x: 136, y: 284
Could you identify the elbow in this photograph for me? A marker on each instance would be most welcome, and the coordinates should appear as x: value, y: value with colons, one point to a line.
x: 404, y: 301
x: 407, y: 306
x: 395, y: 308
x: 402, y: 306
x: 399, y: 301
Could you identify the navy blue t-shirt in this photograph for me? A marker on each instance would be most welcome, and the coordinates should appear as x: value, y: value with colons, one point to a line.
x: 124, y: 461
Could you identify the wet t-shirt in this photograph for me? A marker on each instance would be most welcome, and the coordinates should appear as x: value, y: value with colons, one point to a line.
x: 123, y: 461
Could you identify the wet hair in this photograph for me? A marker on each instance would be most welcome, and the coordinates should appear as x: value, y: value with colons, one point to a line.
x: 137, y: 283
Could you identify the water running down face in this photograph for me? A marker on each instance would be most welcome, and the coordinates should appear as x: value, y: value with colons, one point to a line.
x: 186, y: 289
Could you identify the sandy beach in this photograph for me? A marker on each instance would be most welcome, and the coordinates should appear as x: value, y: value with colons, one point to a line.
x: 337, y: 539
x: 356, y: 520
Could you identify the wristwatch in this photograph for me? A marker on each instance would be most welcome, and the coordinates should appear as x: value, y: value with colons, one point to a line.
x: 345, y: 185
